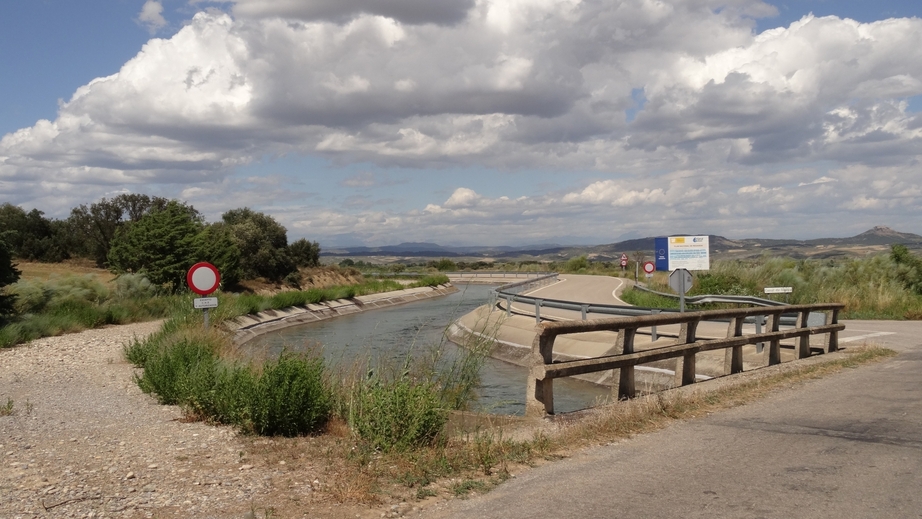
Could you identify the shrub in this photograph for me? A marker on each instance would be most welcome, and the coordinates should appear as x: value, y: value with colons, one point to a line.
x: 288, y: 397
x: 398, y: 413
x: 181, y: 373
x: 134, y: 286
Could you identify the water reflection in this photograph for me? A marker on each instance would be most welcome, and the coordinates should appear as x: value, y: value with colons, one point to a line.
x: 392, y: 332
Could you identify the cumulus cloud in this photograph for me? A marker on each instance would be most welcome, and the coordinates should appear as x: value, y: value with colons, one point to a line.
x: 151, y: 16
x: 726, y: 113
x: 442, y: 12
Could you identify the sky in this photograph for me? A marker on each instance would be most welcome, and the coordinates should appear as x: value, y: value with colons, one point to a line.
x: 473, y: 122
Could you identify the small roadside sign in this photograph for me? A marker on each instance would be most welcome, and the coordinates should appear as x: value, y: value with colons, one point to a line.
x: 203, y: 278
x: 681, y: 281
x: 623, y: 260
x: 779, y: 290
x: 205, y: 302
x: 649, y: 267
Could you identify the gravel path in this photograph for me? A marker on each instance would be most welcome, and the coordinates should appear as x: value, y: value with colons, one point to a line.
x: 84, y: 441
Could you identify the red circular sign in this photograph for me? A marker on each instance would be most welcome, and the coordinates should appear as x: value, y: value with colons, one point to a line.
x: 649, y: 267
x: 203, y: 278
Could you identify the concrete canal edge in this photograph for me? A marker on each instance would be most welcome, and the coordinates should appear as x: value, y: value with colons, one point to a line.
x: 509, y: 339
x: 248, y: 327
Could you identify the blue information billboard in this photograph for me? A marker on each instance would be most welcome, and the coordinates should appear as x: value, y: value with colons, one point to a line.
x: 681, y: 252
x: 660, y: 253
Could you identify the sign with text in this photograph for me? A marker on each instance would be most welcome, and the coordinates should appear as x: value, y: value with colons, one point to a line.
x: 205, y: 302
x: 689, y: 252
x: 779, y: 290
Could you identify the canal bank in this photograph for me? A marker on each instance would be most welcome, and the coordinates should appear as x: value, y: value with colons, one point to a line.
x: 512, y: 336
x: 248, y: 327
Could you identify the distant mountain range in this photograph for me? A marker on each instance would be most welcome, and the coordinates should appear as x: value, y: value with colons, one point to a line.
x: 878, y: 239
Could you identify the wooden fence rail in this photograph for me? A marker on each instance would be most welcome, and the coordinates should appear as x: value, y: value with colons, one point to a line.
x: 539, y: 399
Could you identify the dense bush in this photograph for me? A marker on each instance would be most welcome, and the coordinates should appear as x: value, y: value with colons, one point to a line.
x: 8, y: 275
x: 287, y: 396
x: 398, y: 413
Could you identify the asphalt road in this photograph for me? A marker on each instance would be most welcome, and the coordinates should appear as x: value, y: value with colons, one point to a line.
x: 580, y: 289
x: 849, y: 445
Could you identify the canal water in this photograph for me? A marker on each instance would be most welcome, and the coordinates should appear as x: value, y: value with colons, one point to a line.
x: 418, y: 327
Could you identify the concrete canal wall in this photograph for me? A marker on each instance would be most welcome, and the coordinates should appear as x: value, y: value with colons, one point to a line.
x: 248, y: 327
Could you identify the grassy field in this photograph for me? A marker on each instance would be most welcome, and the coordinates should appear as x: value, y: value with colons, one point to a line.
x: 870, y: 288
x: 43, y: 271
x: 57, y: 298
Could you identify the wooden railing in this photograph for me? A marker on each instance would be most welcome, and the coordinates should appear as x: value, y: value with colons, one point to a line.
x: 539, y: 399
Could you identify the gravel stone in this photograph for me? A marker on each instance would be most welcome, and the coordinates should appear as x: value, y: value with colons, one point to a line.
x: 83, y: 437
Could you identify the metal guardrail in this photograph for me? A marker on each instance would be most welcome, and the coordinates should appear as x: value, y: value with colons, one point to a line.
x: 705, y: 299
x: 492, y: 274
x: 539, y: 398
x: 511, y: 294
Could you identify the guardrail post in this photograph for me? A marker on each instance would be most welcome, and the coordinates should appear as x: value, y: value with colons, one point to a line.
x: 774, y: 347
x: 653, y: 328
x: 733, y: 357
x: 538, y: 303
x: 761, y: 345
x: 685, y: 365
x: 832, y: 340
x: 803, y: 342
x: 626, y: 385
x: 508, y: 306
x: 539, y: 395
x: 585, y: 309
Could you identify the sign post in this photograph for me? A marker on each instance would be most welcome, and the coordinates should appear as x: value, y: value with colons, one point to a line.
x: 649, y: 268
x: 203, y: 278
x: 681, y: 281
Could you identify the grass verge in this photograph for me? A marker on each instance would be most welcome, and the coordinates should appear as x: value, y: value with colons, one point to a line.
x: 478, y: 460
x: 73, y: 303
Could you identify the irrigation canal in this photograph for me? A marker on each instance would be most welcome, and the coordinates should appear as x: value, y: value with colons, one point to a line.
x: 390, y: 333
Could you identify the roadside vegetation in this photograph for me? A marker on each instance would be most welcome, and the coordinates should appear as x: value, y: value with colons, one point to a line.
x: 878, y: 287
x: 476, y: 457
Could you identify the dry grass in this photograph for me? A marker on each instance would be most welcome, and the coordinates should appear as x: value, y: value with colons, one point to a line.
x: 487, y: 451
x: 44, y: 271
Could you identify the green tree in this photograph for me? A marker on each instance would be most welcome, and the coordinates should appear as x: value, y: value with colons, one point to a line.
x: 305, y: 253
x: 33, y: 237
x: 577, y: 264
x: 96, y: 225
x: 262, y: 242
x: 909, y: 268
x: 446, y: 265
x: 162, y: 245
x: 8, y: 276
x: 216, y: 245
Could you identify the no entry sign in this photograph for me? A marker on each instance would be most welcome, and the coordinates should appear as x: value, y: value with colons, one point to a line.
x: 203, y: 278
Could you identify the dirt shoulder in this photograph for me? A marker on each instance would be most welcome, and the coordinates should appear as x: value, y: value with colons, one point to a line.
x: 84, y: 441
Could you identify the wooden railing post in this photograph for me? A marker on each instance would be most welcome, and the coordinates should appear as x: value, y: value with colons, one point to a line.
x: 832, y: 341
x: 685, y: 365
x: 733, y: 357
x: 803, y: 342
x: 539, y: 397
x: 774, y: 347
x: 625, y: 344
